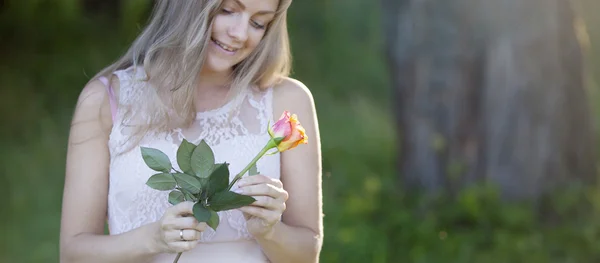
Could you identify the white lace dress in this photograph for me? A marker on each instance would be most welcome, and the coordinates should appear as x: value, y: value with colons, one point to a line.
x: 234, y: 137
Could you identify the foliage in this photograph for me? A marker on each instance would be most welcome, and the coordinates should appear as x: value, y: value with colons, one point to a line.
x: 201, y: 180
x: 471, y: 227
x: 47, y: 56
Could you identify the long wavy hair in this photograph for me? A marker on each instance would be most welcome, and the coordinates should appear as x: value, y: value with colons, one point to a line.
x: 172, y: 49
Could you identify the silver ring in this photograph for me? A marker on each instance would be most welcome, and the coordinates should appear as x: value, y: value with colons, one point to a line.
x: 181, y: 235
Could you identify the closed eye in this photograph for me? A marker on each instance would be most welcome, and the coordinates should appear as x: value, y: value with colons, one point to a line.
x: 257, y: 25
x: 254, y: 23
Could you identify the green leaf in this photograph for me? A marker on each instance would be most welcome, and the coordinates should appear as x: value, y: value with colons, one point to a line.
x: 201, y: 213
x: 184, y: 156
x: 203, y: 160
x: 204, y: 183
x: 161, y: 181
x: 188, y: 196
x: 227, y: 200
x: 253, y: 170
x: 188, y: 182
x: 156, y: 160
x: 213, y: 222
x: 175, y: 197
x: 219, y: 179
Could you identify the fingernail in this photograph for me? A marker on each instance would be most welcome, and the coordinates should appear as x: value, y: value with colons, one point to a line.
x: 239, y: 190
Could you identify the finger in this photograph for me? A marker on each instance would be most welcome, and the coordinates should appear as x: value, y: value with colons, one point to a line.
x: 263, y: 189
x: 201, y: 227
x: 175, y: 235
x: 259, y: 179
x: 182, y: 223
x: 270, y: 217
x: 182, y: 209
x: 250, y: 180
x: 269, y: 203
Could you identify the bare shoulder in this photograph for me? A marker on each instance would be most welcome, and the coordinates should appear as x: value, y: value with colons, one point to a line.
x: 293, y: 89
x: 93, y: 103
x: 292, y: 95
x: 92, y: 94
x: 95, y: 90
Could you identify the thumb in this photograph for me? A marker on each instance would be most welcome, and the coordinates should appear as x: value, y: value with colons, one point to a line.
x: 200, y: 227
x: 183, y: 209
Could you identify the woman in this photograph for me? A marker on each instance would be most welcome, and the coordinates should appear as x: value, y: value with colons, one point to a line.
x: 201, y: 70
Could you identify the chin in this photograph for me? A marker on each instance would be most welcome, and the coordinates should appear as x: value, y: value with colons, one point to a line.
x: 219, y: 68
x: 218, y: 65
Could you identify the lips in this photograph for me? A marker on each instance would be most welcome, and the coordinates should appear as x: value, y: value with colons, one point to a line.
x: 224, y: 46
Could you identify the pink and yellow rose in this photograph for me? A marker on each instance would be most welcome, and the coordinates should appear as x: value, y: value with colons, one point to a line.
x: 289, y: 130
x: 286, y: 134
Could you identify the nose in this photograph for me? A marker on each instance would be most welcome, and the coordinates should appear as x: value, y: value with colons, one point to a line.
x: 239, y: 30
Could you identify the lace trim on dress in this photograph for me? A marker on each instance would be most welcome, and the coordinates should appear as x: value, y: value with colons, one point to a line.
x: 235, y: 136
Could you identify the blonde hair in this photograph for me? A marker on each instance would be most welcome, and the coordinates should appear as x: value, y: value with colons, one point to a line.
x: 172, y: 49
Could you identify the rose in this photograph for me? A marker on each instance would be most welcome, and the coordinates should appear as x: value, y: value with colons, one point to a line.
x: 289, y: 128
x: 286, y: 134
x: 205, y: 182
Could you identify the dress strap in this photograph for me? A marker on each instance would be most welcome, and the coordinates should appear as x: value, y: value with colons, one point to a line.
x: 111, y: 96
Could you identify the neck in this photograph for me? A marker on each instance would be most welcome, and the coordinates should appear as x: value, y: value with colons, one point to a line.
x: 212, y: 89
x: 210, y: 80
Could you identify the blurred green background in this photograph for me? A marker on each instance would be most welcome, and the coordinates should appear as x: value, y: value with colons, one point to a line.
x: 50, y: 49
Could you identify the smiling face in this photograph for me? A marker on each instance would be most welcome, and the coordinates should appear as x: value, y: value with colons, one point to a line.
x: 237, y: 30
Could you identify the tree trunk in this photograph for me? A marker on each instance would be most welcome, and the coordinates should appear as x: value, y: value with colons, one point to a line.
x: 489, y: 91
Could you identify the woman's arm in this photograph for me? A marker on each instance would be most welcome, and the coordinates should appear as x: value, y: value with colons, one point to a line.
x: 84, y: 208
x: 84, y: 204
x: 298, y: 238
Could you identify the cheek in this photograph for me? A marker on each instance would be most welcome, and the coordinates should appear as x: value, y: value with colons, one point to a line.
x: 219, y: 24
x: 254, y: 39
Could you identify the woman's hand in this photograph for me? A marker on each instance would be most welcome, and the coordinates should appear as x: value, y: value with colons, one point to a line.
x: 270, y: 197
x: 178, y: 230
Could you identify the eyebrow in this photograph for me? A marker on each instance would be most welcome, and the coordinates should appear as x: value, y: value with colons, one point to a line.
x: 259, y: 12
